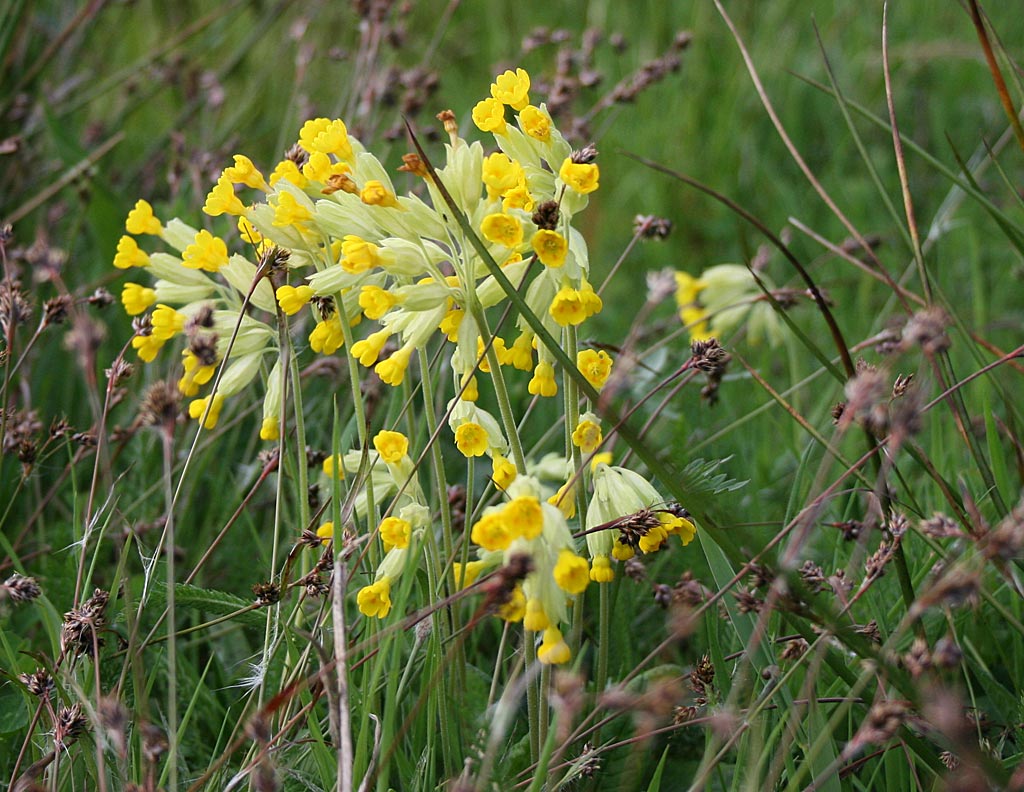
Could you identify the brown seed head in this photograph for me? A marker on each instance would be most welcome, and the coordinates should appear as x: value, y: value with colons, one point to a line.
x: 20, y: 588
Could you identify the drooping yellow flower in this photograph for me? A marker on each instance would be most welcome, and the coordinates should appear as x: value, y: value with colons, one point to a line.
x: 222, y: 199
x: 375, y: 193
x: 512, y: 88
x: 567, y: 307
x: 167, y: 322
x: 536, y: 123
x: 376, y: 301
x: 515, y: 609
x: 325, y: 532
x: 502, y: 229
x: 601, y: 570
x: 326, y: 136
x: 250, y: 236
x: 358, y: 255
x: 147, y: 347
x: 489, y: 116
x: 289, y: 212
x: 207, y: 253
x: 141, y: 220
x: 289, y: 171
x: 622, y: 552
x: 293, y: 298
x: 467, y: 575
x: 395, y: 532
x: 543, y: 382
x: 392, y: 446
x: 491, y: 532
x: 471, y: 439
x: 565, y: 500
x: 392, y: 370
x: 244, y: 172
x: 503, y: 472
x: 129, y: 254
x: 327, y: 337
x: 136, y: 299
x: 595, y: 365
x: 678, y: 526
x: 550, y: 246
x: 196, y: 374
x: 501, y: 173
x: 571, y: 573
x: 517, y: 197
x: 553, y: 650
x: 198, y: 408
x: 321, y: 168
x: 450, y: 324
x: 579, y: 177
x: 270, y: 428
x: 521, y: 353
x: 368, y: 349
x: 524, y: 517
x: 587, y: 435
x: 333, y: 467
x: 652, y: 541
x: 375, y: 599
x: 535, y: 619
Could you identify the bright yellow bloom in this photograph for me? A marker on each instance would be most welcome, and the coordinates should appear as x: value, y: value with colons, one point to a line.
x: 141, y: 220
x: 325, y: 532
x: 167, y: 322
x: 333, y: 467
x: 197, y: 408
x: 521, y: 353
x: 694, y: 318
x: 358, y: 255
x: 592, y: 302
x: 195, y: 374
x: 247, y: 231
x: 222, y: 199
x: 512, y: 88
x: 326, y: 136
x: 489, y: 116
x: 503, y: 472
x: 543, y: 382
x: 622, y: 552
x: 471, y: 392
x: 467, y: 576
x: 293, y: 298
x: 567, y: 307
x: 129, y: 254
x: 450, y: 324
x: 553, y: 649
x: 320, y: 168
x: 392, y: 446
x: 595, y: 365
x: 565, y: 500
x: 327, y: 337
x: 517, y: 197
x: 652, y: 541
x: 535, y: 619
x: 374, y: 193
x: 207, y: 253
x: 524, y: 517
x: 550, y: 246
x: 587, y: 436
x: 600, y: 459
x: 270, y: 429
x: 601, y: 570
x: 535, y: 123
x: 289, y: 212
x: 491, y: 532
x: 368, y: 350
x: 244, y: 172
x: 579, y: 177
x: 395, y: 532
x: 515, y: 609
x: 392, y: 370
x: 375, y: 599
x: 571, y: 573
x: 501, y: 173
x: 376, y: 301
x: 147, y: 347
x: 502, y: 229
x: 678, y: 526
x: 136, y: 299
x: 471, y: 439
x: 687, y: 288
x: 289, y: 171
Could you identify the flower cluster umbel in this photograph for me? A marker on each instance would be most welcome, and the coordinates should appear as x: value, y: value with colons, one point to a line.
x: 346, y: 246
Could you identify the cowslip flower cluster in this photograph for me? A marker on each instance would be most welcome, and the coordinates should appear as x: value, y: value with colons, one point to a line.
x: 723, y: 297
x: 330, y: 241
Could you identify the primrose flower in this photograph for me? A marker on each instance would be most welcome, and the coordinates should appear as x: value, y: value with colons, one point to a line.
x: 471, y: 439
x: 466, y: 576
x: 543, y: 382
x: 289, y: 212
x: 595, y: 365
x: 579, y: 177
x: 392, y: 446
x: 553, y: 650
x: 244, y: 172
x: 392, y: 370
x: 141, y: 220
x: 572, y: 573
x: 503, y: 472
x: 222, y: 199
x: 535, y: 619
x: 137, y: 299
x: 601, y: 570
x: 587, y: 435
x: 129, y: 254
x: 375, y: 599
x: 524, y: 516
x: 206, y: 410
x: 536, y: 123
x: 376, y: 193
x: 325, y: 532
x: 207, y: 253
x: 293, y: 298
x: 512, y: 88
x: 489, y: 116
x: 327, y: 337
x: 502, y: 229
x: 551, y: 247
x: 395, y: 532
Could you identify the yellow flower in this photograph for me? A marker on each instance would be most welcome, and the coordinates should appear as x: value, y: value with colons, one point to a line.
x: 517, y: 197
x: 467, y: 576
x: 622, y: 552
x: 678, y: 526
x: 565, y: 500
x: 587, y: 436
x: 595, y: 365
x: 567, y: 307
x: 694, y: 318
x: 392, y: 370
x: 247, y: 231
x: 652, y: 541
x: 368, y: 350
x: 289, y: 171
x: 601, y: 570
x: 222, y: 199
x: 395, y: 532
x: 471, y: 392
x: 167, y: 322
x: 292, y: 298
x: 326, y: 136
x: 325, y: 532
x: 450, y: 324
x: 358, y: 255
x: 521, y: 353
x: 333, y: 467
x: 512, y: 88
x: 244, y: 172
x: 489, y: 116
x: 376, y: 301
x: 392, y: 446
x: 375, y: 599
x: 600, y: 459
x: 197, y: 408
x: 579, y: 177
x: 141, y: 220
x: 136, y: 299
x: 524, y: 517
x: 535, y: 619
x: 535, y: 123
x: 195, y: 374
x: 147, y: 347
x: 515, y: 609
x: 320, y: 168
x: 503, y: 472
x: 327, y: 337
x: 471, y: 439
x: 553, y: 649
x: 571, y: 573
x: 289, y: 212
x: 374, y: 193
x: 207, y: 253
x: 129, y: 254
x: 270, y: 429
x: 550, y: 246
x: 543, y: 382
x: 491, y: 532
x: 502, y: 229
x: 500, y: 173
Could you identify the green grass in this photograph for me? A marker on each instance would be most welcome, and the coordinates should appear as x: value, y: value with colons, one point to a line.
x: 110, y: 103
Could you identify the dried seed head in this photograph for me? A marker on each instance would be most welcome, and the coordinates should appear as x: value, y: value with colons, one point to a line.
x: 837, y: 412
x: 927, y: 329
x: 794, y: 650
x: 55, y: 310
x: 901, y: 385
x: 71, y: 723
x: 202, y: 319
x: 883, y: 720
x: 39, y: 683
x: 897, y: 525
x: 546, y: 215
x: 585, y: 155
x: 325, y: 306
x: 143, y: 325
x: 113, y: 717
x: 1006, y: 540
x: 662, y: 595
x: 635, y: 569
x: 870, y: 631
x: 709, y: 356
x: 688, y: 591
x: 204, y: 347
x: 958, y: 586
x: 947, y: 653
x: 813, y: 576
x: 15, y: 308
x: 120, y: 371
x: 154, y: 742
x: 651, y: 227
x: 20, y: 588
x: 748, y: 601
x: 940, y: 526
x: 266, y: 593
x: 918, y: 658
x: 160, y: 404
x: 100, y: 298
x: 298, y: 155
x: 80, y: 631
